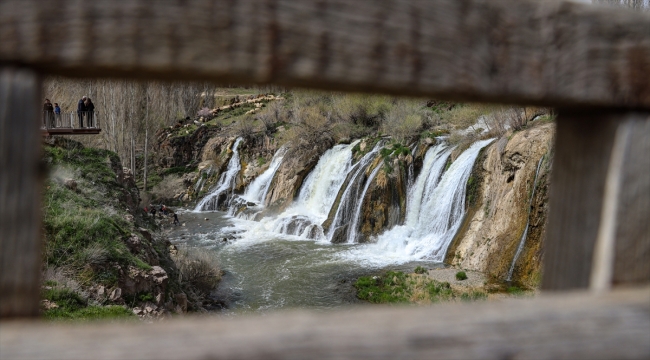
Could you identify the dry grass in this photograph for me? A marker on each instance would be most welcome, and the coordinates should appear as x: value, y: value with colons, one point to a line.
x: 200, y: 268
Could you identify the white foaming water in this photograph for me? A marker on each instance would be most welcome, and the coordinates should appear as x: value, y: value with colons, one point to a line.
x: 432, y: 167
x: 226, y: 181
x: 433, y: 221
x: 259, y: 188
x: 352, y: 238
x: 319, y: 190
x: 316, y: 196
x: 350, y: 195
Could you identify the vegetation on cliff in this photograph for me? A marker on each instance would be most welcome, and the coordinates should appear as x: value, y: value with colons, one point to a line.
x: 101, y: 258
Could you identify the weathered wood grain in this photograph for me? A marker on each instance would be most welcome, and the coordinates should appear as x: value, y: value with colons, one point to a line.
x: 545, y: 52
x: 581, y: 166
x: 632, y: 251
x: 568, y: 326
x: 583, y: 147
x: 20, y: 192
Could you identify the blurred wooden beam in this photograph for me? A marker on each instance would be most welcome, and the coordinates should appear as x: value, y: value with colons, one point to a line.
x: 567, y: 326
x: 582, y: 165
x: 546, y: 52
x: 632, y: 250
x: 20, y: 192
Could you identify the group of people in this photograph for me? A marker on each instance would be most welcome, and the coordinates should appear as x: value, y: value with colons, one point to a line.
x: 163, y: 210
x: 85, y: 109
x: 51, y: 114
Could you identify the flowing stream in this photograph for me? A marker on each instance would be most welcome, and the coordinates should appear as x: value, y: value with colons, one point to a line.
x: 286, y: 260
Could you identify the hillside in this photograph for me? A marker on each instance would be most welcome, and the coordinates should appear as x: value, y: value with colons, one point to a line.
x: 104, y: 257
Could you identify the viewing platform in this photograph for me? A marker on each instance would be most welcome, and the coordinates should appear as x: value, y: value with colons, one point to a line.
x: 72, y: 123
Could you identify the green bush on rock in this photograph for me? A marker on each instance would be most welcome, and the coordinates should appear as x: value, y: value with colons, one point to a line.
x: 460, y: 276
x: 398, y: 287
x: 420, y: 270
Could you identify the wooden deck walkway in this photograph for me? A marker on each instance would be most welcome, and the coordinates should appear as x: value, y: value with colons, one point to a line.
x: 70, y: 131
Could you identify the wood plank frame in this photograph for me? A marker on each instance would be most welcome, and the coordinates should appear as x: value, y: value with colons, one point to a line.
x: 20, y: 192
x: 568, y: 326
x: 545, y: 52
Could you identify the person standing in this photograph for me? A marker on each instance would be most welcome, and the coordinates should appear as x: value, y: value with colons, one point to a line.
x: 57, y: 114
x: 81, y: 110
x: 90, y: 112
x: 48, y: 113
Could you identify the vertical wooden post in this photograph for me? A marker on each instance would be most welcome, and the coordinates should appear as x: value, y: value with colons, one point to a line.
x: 632, y: 249
x: 20, y: 192
x: 584, y: 145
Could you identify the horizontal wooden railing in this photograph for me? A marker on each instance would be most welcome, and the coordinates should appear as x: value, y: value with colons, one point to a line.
x: 615, y: 325
x: 550, y: 52
x: 591, y: 63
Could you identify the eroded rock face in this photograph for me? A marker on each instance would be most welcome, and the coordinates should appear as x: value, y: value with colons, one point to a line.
x: 134, y: 280
x: 174, y: 151
x: 384, y: 205
x: 256, y: 152
x: 297, y: 164
x: 491, y: 232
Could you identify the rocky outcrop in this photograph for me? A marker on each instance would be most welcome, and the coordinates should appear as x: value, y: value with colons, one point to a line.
x: 297, y: 163
x: 175, y: 150
x: 256, y: 152
x: 499, y: 191
x: 384, y: 205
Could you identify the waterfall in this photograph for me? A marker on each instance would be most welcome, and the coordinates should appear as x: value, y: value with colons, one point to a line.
x: 351, y: 199
x: 421, y: 191
x: 522, y: 241
x: 259, y: 188
x: 435, y: 210
x: 357, y: 213
x: 315, y: 198
x: 321, y: 186
x: 226, y: 182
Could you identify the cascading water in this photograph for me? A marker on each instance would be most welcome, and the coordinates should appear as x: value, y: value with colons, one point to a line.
x: 352, y: 238
x: 522, y: 241
x: 259, y: 188
x: 433, y: 221
x: 225, y: 183
x: 421, y: 191
x: 316, y: 196
x: 351, y: 198
x: 321, y: 186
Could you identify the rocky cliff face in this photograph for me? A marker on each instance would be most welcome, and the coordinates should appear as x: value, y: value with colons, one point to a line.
x: 298, y: 162
x: 174, y: 150
x: 501, y: 186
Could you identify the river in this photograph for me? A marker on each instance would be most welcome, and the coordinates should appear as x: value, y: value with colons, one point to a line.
x: 270, y: 272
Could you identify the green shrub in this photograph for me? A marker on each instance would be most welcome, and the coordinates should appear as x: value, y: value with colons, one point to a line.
x: 461, y: 276
x: 398, y: 287
x: 420, y: 270
x: 473, y: 296
x: 72, y: 306
x: 515, y: 290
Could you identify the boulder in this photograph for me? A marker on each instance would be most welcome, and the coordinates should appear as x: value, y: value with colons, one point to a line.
x: 70, y: 184
x: 115, y: 294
